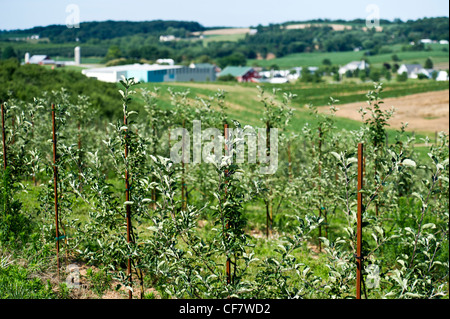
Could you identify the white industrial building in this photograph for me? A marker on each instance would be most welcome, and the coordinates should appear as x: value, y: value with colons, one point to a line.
x: 38, y: 59
x: 154, y: 73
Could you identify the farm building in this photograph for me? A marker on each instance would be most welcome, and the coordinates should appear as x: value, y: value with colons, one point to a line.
x: 241, y: 73
x: 353, y: 66
x: 41, y: 60
x: 413, y: 70
x: 205, y: 68
x: 152, y: 73
x: 442, y: 76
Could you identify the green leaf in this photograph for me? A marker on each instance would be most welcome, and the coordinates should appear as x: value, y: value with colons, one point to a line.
x: 429, y: 225
x: 408, y: 163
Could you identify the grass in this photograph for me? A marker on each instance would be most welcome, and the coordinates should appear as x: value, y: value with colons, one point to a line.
x: 341, y: 58
x: 223, y: 37
x: 243, y: 103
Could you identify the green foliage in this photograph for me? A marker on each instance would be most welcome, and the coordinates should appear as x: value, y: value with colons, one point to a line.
x: 188, y: 221
x: 8, y: 53
x: 227, y: 78
x: 14, y: 225
x: 402, y: 77
x: 140, y: 40
x: 235, y: 59
x: 16, y: 284
x: 99, y: 281
x: 29, y: 81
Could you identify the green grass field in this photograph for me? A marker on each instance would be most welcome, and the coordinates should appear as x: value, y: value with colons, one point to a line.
x: 223, y: 37
x: 341, y: 58
x: 243, y: 104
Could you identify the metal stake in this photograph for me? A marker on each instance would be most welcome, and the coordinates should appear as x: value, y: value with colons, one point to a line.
x: 5, y: 164
x: 127, y: 207
x: 228, y: 264
x: 55, y: 184
x: 359, y: 222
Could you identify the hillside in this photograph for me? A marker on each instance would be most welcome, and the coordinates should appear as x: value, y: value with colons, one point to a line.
x: 133, y: 41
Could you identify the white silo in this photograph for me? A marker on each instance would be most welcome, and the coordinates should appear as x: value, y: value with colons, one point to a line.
x: 27, y: 57
x: 77, y: 56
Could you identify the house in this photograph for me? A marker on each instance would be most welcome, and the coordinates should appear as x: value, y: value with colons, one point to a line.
x: 413, y: 70
x: 41, y: 60
x: 166, y: 61
x: 443, y: 42
x: 353, y: 66
x: 241, y: 73
x: 278, y: 79
x: 166, y: 38
x: 311, y: 69
x: 442, y: 76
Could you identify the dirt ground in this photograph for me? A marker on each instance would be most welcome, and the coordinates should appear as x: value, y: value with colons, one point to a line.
x: 424, y: 112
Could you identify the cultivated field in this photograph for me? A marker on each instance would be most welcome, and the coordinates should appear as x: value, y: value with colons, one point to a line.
x: 425, y: 112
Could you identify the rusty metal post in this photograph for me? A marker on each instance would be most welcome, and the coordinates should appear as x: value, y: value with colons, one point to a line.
x: 55, y: 184
x: 359, y: 222
x: 269, y: 216
x: 289, y: 161
x: 127, y: 207
x: 5, y: 163
x: 228, y: 263
x: 183, y: 168
x: 80, y: 162
x: 319, y: 187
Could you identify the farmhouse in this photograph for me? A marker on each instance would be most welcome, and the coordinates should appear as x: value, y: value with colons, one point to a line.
x: 152, y: 73
x: 241, y: 73
x: 167, y: 38
x: 413, y: 70
x: 353, y: 66
x: 41, y: 60
x: 442, y: 76
x: 166, y: 61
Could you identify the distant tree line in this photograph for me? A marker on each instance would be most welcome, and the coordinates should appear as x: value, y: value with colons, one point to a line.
x: 135, y: 41
x: 24, y: 82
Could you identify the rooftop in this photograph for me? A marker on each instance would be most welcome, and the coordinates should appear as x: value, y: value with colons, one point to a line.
x: 136, y: 66
x: 235, y: 70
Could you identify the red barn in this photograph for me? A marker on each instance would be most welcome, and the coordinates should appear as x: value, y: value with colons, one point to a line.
x: 241, y: 73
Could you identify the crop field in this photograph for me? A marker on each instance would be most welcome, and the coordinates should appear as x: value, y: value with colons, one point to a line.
x: 167, y: 201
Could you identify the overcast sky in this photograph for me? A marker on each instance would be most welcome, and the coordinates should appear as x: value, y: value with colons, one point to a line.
x: 23, y: 14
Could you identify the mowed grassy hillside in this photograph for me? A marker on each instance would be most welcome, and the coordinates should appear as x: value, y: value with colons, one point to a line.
x: 244, y: 105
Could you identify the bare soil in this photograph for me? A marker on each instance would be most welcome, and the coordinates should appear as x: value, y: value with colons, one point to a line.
x: 424, y: 112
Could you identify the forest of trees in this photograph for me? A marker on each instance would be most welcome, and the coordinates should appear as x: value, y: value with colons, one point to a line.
x: 24, y: 82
